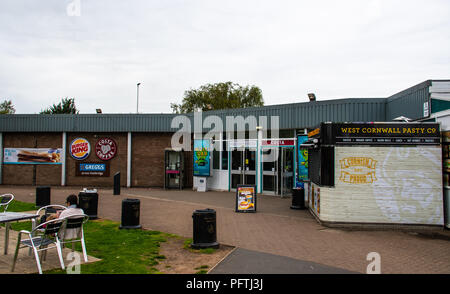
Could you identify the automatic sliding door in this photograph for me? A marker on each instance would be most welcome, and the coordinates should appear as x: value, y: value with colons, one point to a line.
x: 287, y: 171
x: 250, y: 167
x: 270, y: 171
x: 237, y: 168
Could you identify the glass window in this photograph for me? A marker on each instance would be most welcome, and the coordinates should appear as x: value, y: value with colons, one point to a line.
x: 216, y: 159
x: 225, y: 160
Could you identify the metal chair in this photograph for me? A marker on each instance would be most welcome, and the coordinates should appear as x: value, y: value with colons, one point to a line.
x: 74, y: 232
x: 50, y: 236
x: 5, y: 200
x: 44, y: 212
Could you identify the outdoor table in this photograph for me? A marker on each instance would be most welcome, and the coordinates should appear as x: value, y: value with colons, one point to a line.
x: 8, y: 217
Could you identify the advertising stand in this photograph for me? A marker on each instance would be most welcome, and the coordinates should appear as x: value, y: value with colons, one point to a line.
x: 246, y: 198
x: 376, y: 173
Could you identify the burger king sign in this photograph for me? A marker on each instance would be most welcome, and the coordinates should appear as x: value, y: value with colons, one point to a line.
x: 80, y: 148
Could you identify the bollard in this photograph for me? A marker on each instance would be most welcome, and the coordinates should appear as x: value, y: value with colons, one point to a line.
x: 117, y: 184
x: 204, y: 235
x: 298, y: 198
x: 88, y: 201
x: 42, y: 196
x: 130, y: 214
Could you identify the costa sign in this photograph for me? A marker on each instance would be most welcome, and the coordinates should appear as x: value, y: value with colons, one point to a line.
x: 80, y: 148
x: 106, y: 148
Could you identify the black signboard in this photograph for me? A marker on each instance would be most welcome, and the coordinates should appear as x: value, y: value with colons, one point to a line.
x: 386, y: 133
x: 246, y: 198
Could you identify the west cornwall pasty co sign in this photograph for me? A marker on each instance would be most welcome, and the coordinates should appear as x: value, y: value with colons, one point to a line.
x: 386, y: 134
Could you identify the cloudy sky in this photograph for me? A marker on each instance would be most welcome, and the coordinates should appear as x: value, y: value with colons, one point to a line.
x: 97, y: 50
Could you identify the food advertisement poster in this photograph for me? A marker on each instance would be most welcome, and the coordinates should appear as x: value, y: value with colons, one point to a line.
x: 246, y: 198
x: 31, y: 156
x: 201, y: 158
x: 302, y: 162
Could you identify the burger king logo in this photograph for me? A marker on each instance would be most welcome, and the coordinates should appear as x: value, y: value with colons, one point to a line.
x: 80, y: 148
x: 106, y: 148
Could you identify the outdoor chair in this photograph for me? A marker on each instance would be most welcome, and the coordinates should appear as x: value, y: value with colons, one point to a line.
x: 39, y: 242
x: 74, y: 232
x: 44, y: 212
x: 5, y: 200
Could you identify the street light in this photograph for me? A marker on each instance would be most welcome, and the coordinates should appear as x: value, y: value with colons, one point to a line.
x: 137, y: 99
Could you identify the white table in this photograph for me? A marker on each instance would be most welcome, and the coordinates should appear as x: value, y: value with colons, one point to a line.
x: 8, y: 217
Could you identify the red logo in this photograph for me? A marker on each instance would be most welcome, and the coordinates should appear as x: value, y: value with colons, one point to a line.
x: 105, y: 148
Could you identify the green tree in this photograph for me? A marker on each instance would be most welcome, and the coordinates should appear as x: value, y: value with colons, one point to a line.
x: 219, y: 96
x: 67, y: 105
x: 6, y: 107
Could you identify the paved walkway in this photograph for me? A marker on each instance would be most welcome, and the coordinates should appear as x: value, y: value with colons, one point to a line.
x: 243, y: 261
x: 275, y: 229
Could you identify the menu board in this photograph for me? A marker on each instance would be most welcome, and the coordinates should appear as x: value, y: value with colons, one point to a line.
x: 246, y: 198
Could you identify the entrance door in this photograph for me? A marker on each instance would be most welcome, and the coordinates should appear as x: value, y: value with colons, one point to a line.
x: 237, y: 168
x: 243, y: 167
x: 287, y: 171
x: 270, y: 170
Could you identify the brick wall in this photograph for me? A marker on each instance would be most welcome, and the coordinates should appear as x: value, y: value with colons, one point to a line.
x: 147, y: 160
x: 20, y: 174
x: 116, y: 164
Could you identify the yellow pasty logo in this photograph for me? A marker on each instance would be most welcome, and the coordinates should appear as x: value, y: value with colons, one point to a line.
x: 358, y: 170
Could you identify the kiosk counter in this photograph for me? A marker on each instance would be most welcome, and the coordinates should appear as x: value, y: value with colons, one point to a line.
x: 375, y: 173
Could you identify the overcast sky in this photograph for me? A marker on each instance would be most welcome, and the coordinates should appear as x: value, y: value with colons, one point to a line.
x: 97, y: 51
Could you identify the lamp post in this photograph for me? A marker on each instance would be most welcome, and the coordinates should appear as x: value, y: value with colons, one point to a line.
x: 137, y: 98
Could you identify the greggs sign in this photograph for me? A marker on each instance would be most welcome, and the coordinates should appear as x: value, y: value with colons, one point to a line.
x: 80, y: 148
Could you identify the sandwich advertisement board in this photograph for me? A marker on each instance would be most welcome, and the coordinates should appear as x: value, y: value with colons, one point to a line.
x: 32, y: 156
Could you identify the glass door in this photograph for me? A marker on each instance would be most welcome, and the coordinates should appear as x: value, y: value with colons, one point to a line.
x: 237, y: 168
x: 287, y: 171
x: 249, y: 166
x: 243, y: 167
x: 270, y: 171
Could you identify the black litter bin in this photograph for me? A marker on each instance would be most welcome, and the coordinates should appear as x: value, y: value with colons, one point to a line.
x: 205, y: 235
x: 298, y: 198
x: 42, y: 196
x: 130, y: 214
x: 117, y: 184
x: 88, y: 201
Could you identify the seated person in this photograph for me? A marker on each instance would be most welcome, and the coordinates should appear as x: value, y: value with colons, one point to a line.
x: 71, y: 203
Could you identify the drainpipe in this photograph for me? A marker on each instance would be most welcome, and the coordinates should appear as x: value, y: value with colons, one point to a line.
x: 63, y: 159
x: 129, y: 160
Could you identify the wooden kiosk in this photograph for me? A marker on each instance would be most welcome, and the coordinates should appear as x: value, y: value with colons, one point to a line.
x: 375, y: 173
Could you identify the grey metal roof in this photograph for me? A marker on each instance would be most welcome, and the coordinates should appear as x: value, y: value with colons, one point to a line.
x: 291, y: 116
x: 408, y: 103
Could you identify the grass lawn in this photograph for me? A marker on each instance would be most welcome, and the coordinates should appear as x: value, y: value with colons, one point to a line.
x: 18, y: 206
x: 121, y: 251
